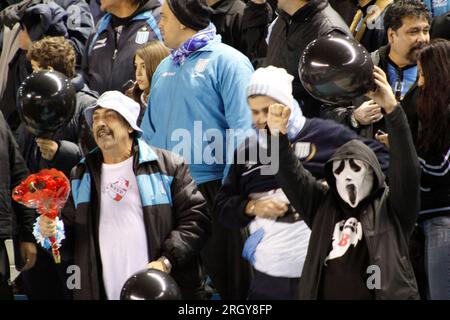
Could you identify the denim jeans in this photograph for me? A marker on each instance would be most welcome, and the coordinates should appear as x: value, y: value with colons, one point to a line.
x: 437, y: 257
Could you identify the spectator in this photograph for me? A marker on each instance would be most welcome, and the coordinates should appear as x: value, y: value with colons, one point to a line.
x: 13, y: 171
x: 407, y: 24
x: 251, y: 197
x: 200, y: 91
x: 128, y: 24
x: 134, y: 204
x: 37, y: 18
x: 360, y: 221
x: 433, y: 150
x: 48, y: 280
x: 146, y: 60
x: 299, y: 22
x: 227, y: 17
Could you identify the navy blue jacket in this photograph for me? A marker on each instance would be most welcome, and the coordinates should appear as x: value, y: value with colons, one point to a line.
x: 109, y: 66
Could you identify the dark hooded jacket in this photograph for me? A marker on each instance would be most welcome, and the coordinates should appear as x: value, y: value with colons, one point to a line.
x: 387, y: 216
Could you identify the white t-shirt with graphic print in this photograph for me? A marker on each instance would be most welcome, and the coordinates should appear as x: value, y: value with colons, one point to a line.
x: 122, y: 236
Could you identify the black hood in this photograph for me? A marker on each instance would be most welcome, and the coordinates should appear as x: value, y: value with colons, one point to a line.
x: 355, y: 149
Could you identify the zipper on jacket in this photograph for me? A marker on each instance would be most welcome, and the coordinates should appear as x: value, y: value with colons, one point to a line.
x: 364, y: 225
x: 114, y: 54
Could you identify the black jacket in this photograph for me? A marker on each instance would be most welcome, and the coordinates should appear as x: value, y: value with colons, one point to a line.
x: 435, y: 178
x: 175, y: 218
x: 289, y: 37
x: 109, y: 66
x: 227, y: 17
x: 409, y: 104
x: 387, y: 219
x: 15, y: 219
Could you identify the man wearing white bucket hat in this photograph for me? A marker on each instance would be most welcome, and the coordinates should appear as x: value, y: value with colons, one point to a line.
x: 134, y: 204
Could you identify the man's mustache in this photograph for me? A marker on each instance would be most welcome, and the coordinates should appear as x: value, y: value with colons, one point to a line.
x: 418, y: 46
x: 104, y: 130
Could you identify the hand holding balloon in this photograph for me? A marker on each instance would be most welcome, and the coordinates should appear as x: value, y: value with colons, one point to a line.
x: 48, y: 148
x: 367, y: 113
x: 383, y: 95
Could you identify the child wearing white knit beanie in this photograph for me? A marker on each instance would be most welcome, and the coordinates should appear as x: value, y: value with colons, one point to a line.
x: 276, y: 83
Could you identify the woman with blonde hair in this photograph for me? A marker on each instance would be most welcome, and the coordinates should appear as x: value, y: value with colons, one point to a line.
x: 146, y: 60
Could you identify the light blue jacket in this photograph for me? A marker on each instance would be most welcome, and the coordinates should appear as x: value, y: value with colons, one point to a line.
x: 438, y: 8
x: 191, y: 106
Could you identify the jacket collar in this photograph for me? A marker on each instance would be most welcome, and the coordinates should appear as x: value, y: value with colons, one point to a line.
x: 141, y: 148
x: 146, y: 153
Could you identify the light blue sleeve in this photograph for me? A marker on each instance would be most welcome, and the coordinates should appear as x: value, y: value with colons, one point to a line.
x: 146, y: 125
x: 234, y: 79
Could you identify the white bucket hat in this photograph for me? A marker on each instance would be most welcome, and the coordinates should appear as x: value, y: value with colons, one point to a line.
x: 117, y: 101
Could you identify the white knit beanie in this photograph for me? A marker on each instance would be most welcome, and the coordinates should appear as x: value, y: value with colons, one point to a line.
x: 276, y: 83
x: 273, y: 82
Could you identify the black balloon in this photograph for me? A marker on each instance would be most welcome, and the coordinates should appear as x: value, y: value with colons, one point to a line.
x: 46, y: 102
x: 336, y: 69
x: 150, y: 284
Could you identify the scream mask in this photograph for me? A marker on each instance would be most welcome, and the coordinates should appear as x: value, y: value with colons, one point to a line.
x: 354, y: 180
